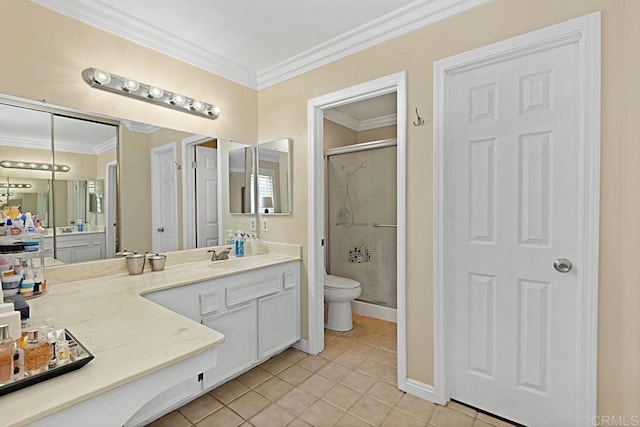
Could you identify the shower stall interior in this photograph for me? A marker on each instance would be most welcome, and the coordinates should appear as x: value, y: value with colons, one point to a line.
x: 361, y: 218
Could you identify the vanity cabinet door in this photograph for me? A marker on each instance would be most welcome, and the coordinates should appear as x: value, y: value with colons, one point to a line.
x: 238, y: 351
x: 278, y: 322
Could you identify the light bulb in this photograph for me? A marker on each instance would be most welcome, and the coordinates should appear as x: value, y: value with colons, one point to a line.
x: 155, y: 92
x: 197, y: 105
x: 6, y: 164
x: 45, y: 167
x: 65, y: 168
x: 177, y: 99
x: 101, y: 77
x: 20, y: 164
x: 214, y: 111
x: 129, y: 85
x: 33, y: 165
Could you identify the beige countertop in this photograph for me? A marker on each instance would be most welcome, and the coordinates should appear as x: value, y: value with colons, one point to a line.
x: 129, y: 335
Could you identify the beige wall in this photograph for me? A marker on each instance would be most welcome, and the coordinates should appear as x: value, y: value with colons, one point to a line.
x: 283, y: 109
x: 334, y: 136
x: 378, y: 134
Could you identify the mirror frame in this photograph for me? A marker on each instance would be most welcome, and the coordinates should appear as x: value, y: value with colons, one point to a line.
x: 289, y: 176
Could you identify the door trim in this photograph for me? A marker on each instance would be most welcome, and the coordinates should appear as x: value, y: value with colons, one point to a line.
x: 188, y: 195
x: 585, y: 31
x: 155, y: 208
x: 110, y: 190
x: 315, y: 186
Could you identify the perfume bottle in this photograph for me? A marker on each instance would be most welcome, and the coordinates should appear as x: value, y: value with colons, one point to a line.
x: 37, y: 353
x: 6, y: 355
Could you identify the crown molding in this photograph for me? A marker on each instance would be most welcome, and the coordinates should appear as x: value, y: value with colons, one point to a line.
x: 378, y: 122
x: 349, y: 122
x: 140, y: 127
x: 342, y: 119
x: 59, y: 146
x: 107, y: 18
x: 415, y: 15
x: 109, y: 144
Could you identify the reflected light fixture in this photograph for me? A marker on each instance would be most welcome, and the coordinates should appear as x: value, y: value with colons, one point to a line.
x: 14, y: 164
x: 104, y: 80
x: 15, y: 185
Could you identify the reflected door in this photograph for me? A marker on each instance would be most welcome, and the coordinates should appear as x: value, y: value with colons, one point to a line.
x: 164, y: 200
x: 513, y: 148
x: 206, y: 197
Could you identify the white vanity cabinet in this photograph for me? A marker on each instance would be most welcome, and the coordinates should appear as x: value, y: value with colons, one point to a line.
x: 258, y: 312
x: 77, y: 247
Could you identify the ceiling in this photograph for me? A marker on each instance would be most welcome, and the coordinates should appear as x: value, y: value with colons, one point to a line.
x: 22, y: 127
x: 259, y: 43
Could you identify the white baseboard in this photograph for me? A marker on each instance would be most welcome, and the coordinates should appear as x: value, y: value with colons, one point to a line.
x: 302, y: 345
x: 372, y: 310
x: 420, y: 389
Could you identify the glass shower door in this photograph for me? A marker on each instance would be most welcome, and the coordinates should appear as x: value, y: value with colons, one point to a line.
x: 361, y: 203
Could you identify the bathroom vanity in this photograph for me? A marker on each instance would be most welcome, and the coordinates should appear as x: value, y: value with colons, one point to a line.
x: 161, y: 338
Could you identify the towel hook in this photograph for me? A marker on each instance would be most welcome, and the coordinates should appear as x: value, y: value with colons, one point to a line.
x: 178, y: 165
x: 419, y: 120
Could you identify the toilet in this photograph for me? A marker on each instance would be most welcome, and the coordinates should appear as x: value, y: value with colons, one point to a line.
x: 338, y: 294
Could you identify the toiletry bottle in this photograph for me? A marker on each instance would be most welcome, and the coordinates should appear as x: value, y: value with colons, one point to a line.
x: 37, y: 353
x: 63, y: 353
x: 239, y: 243
x: 51, y: 339
x: 30, y: 228
x: 230, y: 239
x: 80, y: 225
x: 255, y: 245
x: 6, y: 355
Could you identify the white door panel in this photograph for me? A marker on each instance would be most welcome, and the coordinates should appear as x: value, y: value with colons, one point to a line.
x: 512, y: 144
x: 206, y: 197
x: 164, y: 199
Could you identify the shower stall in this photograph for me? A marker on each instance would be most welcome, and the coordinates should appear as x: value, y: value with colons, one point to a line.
x: 361, y: 222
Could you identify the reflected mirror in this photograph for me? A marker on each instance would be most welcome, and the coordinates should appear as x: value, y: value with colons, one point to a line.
x: 274, y: 177
x: 240, y: 163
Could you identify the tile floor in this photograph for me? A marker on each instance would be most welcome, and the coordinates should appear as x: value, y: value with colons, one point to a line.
x: 351, y: 383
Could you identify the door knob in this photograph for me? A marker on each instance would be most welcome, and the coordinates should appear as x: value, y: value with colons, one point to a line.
x: 161, y: 229
x: 562, y: 265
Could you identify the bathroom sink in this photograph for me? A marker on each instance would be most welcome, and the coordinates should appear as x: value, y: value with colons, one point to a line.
x: 230, y: 263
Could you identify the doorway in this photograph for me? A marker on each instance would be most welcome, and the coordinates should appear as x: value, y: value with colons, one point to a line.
x: 316, y: 207
x: 516, y: 195
x: 201, y: 189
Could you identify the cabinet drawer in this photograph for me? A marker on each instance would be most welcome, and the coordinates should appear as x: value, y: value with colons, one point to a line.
x: 243, y: 292
x: 210, y: 302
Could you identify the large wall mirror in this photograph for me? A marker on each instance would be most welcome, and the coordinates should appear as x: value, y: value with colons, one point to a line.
x: 274, y: 177
x: 241, y: 192
x: 119, y: 185
x: 59, y: 164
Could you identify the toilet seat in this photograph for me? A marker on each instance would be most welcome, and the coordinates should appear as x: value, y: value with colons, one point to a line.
x: 335, y: 282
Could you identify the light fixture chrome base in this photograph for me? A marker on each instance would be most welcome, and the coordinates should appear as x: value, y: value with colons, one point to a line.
x: 103, y: 80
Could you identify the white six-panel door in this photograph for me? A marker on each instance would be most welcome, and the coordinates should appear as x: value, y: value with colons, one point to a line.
x: 511, y: 143
x: 164, y: 199
x: 206, y: 197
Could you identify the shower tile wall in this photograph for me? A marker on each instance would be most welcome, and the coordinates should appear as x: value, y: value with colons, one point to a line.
x: 356, y: 249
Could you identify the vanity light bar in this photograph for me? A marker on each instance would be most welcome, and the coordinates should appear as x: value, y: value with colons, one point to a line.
x: 12, y: 164
x: 13, y: 185
x: 124, y: 86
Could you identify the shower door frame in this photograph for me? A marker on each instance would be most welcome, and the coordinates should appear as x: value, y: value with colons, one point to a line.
x: 316, y: 207
x: 354, y: 148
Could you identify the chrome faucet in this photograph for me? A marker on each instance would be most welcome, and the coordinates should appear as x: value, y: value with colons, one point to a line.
x: 221, y: 256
